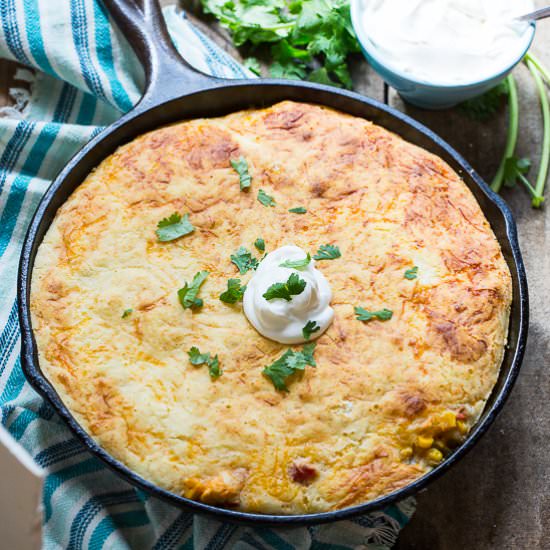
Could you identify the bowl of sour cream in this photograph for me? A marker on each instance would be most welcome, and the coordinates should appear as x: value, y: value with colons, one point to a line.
x: 437, y: 53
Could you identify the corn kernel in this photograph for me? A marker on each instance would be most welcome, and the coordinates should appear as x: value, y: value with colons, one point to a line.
x: 462, y: 427
x: 406, y: 453
x: 424, y: 441
x: 434, y: 456
x: 447, y: 420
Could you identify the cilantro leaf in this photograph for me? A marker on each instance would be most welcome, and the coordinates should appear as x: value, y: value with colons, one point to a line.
x: 188, y: 294
x: 327, y: 252
x: 127, y: 312
x: 365, y: 315
x: 513, y: 167
x: 516, y: 169
x: 197, y: 358
x: 234, y: 292
x: 321, y: 76
x: 174, y: 227
x: 309, y: 328
x: 214, y: 367
x: 291, y: 70
x: 307, y: 352
x: 411, y: 273
x: 241, y: 167
x: 295, y: 284
x: 289, y: 363
x: 297, y: 264
x: 286, y: 52
x: 243, y: 260
x: 298, y: 210
x: 279, y: 371
x: 285, y: 291
x: 278, y: 290
x: 265, y: 199
x: 483, y: 107
x: 259, y: 243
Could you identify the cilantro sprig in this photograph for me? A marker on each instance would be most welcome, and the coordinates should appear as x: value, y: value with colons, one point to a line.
x: 244, y: 260
x: 197, y: 358
x: 411, y: 273
x: 309, y: 328
x: 259, y: 243
x: 285, y: 291
x: 265, y: 199
x: 241, y: 167
x: 234, y: 292
x: 327, y: 252
x: 297, y: 264
x: 174, y: 227
x: 366, y: 315
x: 127, y: 313
x: 288, y: 364
x: 188, y: 294
x: 298, y: 210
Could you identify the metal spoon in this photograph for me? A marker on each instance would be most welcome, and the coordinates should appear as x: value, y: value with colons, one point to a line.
x: 535, y: 15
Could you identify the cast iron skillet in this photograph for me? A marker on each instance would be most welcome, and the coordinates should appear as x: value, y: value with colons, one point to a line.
x: 174, y: 92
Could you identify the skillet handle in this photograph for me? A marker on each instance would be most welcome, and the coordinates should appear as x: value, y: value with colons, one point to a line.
x: 167, y: 74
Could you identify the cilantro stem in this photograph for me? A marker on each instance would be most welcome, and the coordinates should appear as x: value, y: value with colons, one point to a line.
x: 541, y: 68
x: 545, y: 154
x: 528, y: 185
x: 513, y: 127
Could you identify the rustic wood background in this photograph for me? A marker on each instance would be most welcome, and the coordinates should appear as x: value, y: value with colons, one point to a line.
x: 497, y: 497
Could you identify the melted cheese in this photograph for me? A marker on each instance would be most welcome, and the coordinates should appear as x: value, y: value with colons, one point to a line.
x: 368, y: 419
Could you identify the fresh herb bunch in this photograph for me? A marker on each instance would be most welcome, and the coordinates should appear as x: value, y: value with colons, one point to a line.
x: 309, y: 39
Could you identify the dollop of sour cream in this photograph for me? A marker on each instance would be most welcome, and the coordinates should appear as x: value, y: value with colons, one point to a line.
x: 283, y: 320
x: 446, y: 42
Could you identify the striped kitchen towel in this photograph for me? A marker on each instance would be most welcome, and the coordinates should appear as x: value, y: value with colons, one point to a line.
x: 85, y: 76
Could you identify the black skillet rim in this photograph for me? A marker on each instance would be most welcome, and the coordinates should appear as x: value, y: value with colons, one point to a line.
x: 39, y: 382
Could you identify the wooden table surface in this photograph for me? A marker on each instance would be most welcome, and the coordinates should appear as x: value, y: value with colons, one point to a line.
x: 497, y: 497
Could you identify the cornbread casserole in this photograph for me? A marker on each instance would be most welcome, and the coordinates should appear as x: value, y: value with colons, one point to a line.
x: 387, y: 398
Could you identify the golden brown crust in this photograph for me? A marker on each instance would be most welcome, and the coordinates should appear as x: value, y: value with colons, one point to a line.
x: 386, y: 400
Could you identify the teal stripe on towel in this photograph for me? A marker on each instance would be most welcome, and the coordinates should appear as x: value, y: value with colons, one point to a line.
x: 111, y: 523
x: 19, y: 187
x: 34, y: 36
x: 105, y: 57
x: 56, y: 480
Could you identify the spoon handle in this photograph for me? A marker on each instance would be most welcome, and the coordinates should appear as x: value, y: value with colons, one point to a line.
x: 536, y: 15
